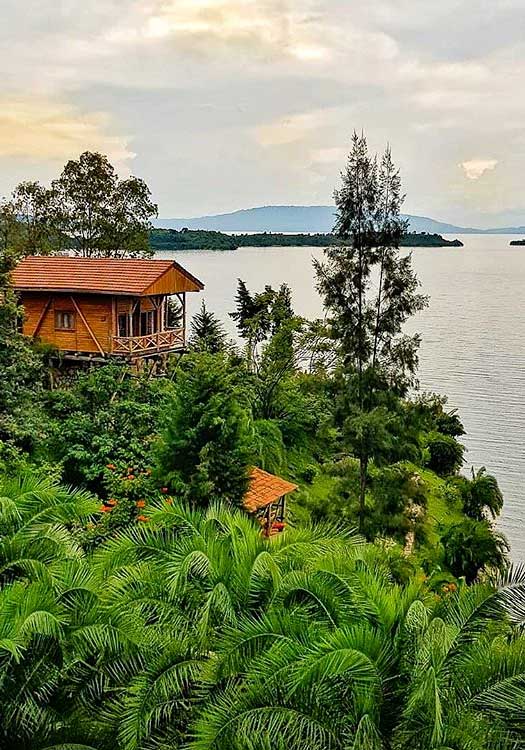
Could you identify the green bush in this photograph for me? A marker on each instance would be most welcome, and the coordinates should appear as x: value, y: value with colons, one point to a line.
x: 309, y: 473
x: 445, y: 454
x: 472, y: 546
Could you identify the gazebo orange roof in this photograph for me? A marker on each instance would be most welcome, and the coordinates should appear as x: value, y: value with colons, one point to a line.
x: 265, y: 489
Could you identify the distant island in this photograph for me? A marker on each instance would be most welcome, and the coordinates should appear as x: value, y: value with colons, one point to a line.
x: 517, y: 242
x: 198, y: 239
x: 299, y: 219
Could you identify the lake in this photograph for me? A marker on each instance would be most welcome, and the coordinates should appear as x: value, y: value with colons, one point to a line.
x: 473, y: 332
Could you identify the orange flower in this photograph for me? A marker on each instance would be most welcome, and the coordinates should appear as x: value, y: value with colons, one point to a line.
x: 110, y: 466
x: 130, y: 476
x: 110, y: 502
x: 140, y: 503
x: 142, y: 518
x: 104, y: 509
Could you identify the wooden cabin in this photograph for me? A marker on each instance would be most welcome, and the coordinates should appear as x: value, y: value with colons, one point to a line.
x: 103, y: 307
x: 266, y: 499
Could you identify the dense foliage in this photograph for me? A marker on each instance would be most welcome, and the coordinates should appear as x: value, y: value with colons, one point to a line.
x: 141, y: 607
x: 192, y: 630
x: 203, y: 451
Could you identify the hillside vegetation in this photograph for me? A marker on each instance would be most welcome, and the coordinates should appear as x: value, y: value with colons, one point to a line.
x: 142, y: 607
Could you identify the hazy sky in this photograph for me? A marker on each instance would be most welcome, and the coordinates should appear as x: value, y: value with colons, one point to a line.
x: 226, y: 104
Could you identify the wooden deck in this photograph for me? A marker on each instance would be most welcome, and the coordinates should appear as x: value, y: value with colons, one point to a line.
x: 152, y: 343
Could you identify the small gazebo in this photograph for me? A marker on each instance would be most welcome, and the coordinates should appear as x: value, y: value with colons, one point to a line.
x: 266, y: 499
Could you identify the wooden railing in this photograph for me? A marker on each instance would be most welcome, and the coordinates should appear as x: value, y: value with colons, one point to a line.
x: 173, y: 338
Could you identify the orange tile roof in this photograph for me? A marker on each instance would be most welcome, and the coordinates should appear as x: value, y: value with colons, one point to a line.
x: 97, y: 275
x: 265, y: 489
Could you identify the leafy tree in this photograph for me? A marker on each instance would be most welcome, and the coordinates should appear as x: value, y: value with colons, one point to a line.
x: 472, y: 546
x: 87, y: 210
x: 281, y: 310
x: 105, y: 416
x: 38, y: 219
x: 207, y: 332
x: 10, y: 227
x: 204, y: 451
x: 367, y: 318
x: 431, y: 415
x: 278, y: 343
x: 102, y: 215
x: 260, y: 315
x: 246, y: 310
x: 481, y: 496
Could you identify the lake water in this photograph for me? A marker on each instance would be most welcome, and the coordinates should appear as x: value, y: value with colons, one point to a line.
x: 473, y: 332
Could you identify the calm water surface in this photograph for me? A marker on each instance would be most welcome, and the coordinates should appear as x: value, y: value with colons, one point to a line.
x: 473, y: 346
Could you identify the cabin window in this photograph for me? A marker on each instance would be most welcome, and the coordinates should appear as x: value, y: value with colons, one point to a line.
x: 64, y: 320
x: 147, y: 322
x: 123, y: 325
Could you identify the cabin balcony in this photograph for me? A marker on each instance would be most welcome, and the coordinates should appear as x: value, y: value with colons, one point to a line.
x: 172, y: 339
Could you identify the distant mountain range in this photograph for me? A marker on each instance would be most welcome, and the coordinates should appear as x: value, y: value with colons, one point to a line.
x: 308, y: 219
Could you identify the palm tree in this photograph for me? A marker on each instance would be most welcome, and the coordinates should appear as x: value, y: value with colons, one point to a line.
x: 195, y: 631
x: 32, y: 628
x: 484, y: 497
x: 37, y: 516
x: 428, y: 676
x: 175, y: 585
x: 38, y: 556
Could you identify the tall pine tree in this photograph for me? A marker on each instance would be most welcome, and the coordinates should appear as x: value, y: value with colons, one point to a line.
x: 370, y: 291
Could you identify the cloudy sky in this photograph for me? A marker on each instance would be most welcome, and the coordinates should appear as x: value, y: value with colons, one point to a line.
x: 226, y: 104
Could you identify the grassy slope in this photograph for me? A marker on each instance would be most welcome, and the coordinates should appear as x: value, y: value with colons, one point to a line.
x: 440, y: 511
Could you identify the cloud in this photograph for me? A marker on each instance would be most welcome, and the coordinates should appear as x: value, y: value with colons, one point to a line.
x: 260, y: 28
x: 336, y: 155
x: 48, y: 130
x: 475, y: 168
x: 273, y: 88
x: 291, y: 129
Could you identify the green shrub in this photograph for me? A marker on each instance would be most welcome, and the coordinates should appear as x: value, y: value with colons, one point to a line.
x: 445, y: 454
x: 309, y: 473
x: 472, y: 546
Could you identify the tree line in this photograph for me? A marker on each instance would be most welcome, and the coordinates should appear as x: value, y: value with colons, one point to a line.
x: 200, y: 239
